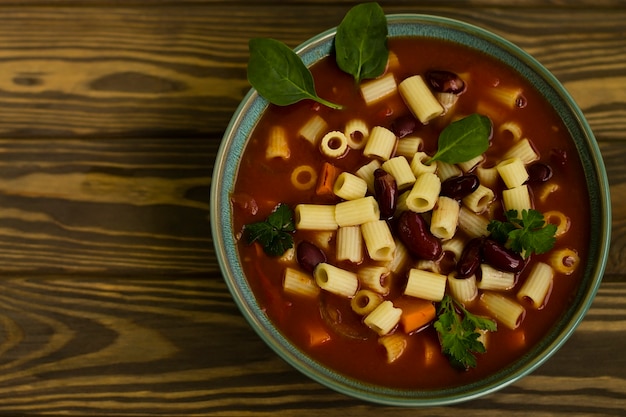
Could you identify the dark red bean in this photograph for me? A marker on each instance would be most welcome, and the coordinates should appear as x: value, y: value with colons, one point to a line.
x: 459, y: 187
x: 414, y: 232
x: 445, y: 82
x: 309, y: 256
x: 501, y: 258
x: 539, y: 172
x: 404, y: 125
x: 470, y: 258
x: 386, y: 192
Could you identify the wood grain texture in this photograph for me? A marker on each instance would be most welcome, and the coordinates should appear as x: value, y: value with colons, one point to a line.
x: 111, y: 299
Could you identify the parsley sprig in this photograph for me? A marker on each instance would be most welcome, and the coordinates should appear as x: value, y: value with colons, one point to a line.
x: 526, y: 235
x: 458, y: 333
x: 273, y: 233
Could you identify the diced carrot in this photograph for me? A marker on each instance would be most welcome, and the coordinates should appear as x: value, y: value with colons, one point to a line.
x: 327, y: 178
x: 317, y: 335
x: 416, y: 313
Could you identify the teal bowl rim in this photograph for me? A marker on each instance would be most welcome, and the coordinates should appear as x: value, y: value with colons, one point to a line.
x: 224, y: 175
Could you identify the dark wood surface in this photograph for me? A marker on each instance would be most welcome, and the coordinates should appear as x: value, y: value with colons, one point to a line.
x: 111, y: 299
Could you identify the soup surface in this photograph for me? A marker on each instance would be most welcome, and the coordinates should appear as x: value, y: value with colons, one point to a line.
x: 325, y: 326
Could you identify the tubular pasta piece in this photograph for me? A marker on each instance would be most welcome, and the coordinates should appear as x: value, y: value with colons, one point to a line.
x: 395, y: 344
x: 463, y: 290
x: 277, y: 144
x: 427, y: 285
x: 446, y: 170
x: 334, y: 144
x: 471, y: 164
x: 479, y: 200
x: 507, y: 95
x: 299, y: 283
x: 513, y: 172
x: 365, y: 301
x: 546, y: 190
x: 313, y: 129
x: 488, y: 176
x: 409, y: 146
x: 304, y: 177
x: 367, y: 173
x: 522, y: 150
x: 420, y: 100
x: 384, y: 318
x: 560, y: 220
x: 474, y: 225
x: 315, y: 217
x: 380, y: 144
x: 517, y: 198
x: 378, y: 89
x: 565, y: 261
x: 349, y: 244
x: 510, y: 130
x: 378, y: 240
x: 537, y: 286
x: 506, y: 311
x: 401, y: 171
x: 424, y: 194
x: 357, y: 212
x: 419, y: 167
x: 357, y: 133
x: 445, y: 218
x: 401, y: 257
x: 349, y: 186
x: 494, y: 279
x: 454, y: 246
x: 336, y: 280
x: 376, y: 278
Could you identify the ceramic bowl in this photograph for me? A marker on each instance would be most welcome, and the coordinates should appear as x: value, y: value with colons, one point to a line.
x: 225, y: 173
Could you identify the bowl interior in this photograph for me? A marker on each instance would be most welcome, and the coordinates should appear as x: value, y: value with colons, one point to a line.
x: 244, y: 121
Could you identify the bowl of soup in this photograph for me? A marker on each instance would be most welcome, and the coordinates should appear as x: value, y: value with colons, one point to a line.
x: 435, y: 239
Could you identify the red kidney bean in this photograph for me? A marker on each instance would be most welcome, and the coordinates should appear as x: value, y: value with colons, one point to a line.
x: 539, y: 172
x: 501, y: 258
x: 386, y: 192
x: 414, y: 232
x: 404, y: 125
x: 445, y: 82
x: 309, y: 256
x: 459, y: 187
x: 470, y: 258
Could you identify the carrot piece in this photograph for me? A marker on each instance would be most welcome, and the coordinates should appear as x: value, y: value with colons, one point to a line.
x: 327, y: 179
x: 416, y: 313
x: 317, y: 335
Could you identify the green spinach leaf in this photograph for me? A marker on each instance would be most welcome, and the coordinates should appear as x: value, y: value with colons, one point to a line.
x: 463, y: 139
x: 361, y: 42
x: 279, y: 75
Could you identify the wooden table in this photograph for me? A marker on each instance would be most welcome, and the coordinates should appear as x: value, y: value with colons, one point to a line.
x: 111, y: 299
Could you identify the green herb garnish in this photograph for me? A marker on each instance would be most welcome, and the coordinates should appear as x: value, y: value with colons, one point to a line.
x: 526, y: 235
x: 274, y: 233
x: 361, y: 42
x: 279, y: 75
x: 458, y: 333
x: 463, y: 139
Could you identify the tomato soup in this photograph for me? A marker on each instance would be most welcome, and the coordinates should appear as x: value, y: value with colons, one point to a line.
x: 323, y: 323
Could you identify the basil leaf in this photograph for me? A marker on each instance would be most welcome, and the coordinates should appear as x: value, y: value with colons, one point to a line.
x: 279, y: 75
x: 463, y: 139
x: 361, y: 42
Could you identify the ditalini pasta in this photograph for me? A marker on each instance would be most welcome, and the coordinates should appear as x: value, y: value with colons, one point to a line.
x: 424, y: 194
x: 505, y: 310
x: 446, y: 170
x: 277, y: 144
x: 513, y: 172
x: 365, y: 301
x: 357, y: 212
x: 537, y: 285
x: 425, y: 284
x: 378, y: 240
x: 336, y: 280
x: 471, y: 164
x: 334, y: 144
x: 350, y: 244
x: 378, y: 89
x: 357, y: 133
x: 559, y: 219
x: 304, y: 177
x: 494, y: 279
x: 419, y: 166
x: 480, y: 199
x: 418, y: 97
x: 376, y: 278
x: 366, y: 172
x: 445, y: 218
x: 384, y: 318
x: 401, y: 171
x: 464, y: 290
x: 299, y: 283
x: 349, y: 187
x: 488, y: 176
x: 523, y: 150
x: 565, y: 260
x: 315, y: 217
x: 409, y: 146
x: 517, y: 198
x: 380, y: 144
x: 313, y: 130
x: 474, y: 225
x: 510, y: 130
x: 395, y: 344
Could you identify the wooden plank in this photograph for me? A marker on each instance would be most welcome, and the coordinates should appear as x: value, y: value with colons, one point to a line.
x: 158, y: 71
x: 106, y: 205
x: 178, y: 346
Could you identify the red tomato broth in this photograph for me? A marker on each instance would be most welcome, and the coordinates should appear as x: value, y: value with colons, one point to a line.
x: 267, y: 182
